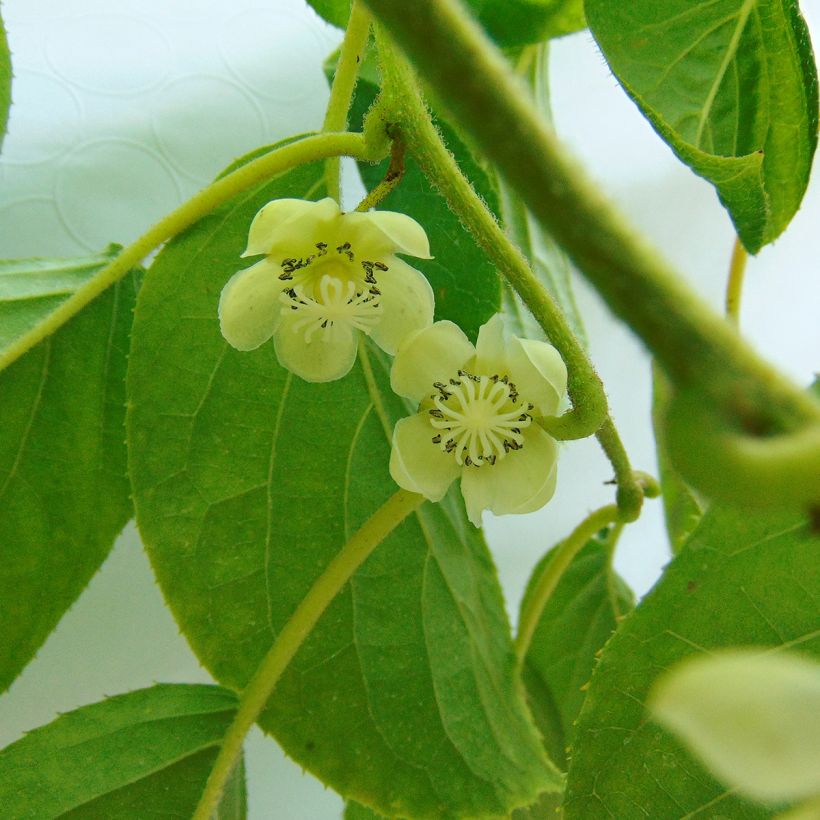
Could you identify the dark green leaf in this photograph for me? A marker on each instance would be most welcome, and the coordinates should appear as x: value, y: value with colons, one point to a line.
x: 681, y: 506
x: 247, y: 480
x: 582, y: 613
x: 740, y: 580
x: 144, y: 754
x: 335, y: 12
x: 466, y: 284
x: 5, y: 81
x: 520, y: 22
x: 64, y: 494
x: 732, y: 87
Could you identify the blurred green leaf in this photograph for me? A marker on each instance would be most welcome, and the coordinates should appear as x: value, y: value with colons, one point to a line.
x: 741, y: 580
x: 752, y: 717
x: 336, y: 12
x: 64, y: 495
x: 144, y: 754
x: 5, y: 81
x: 520, y: 22
x: 580, y: 616
x: 248, y: 480
x: 732, y: 87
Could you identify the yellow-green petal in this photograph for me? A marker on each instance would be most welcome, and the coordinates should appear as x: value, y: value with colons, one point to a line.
x: 430, y: 355
x: 539, y: 373
x: 379, y: 233
x: 322, y: 359
x: 752, y: 718
x: 521, y: 482
x: 406, y: 305
x: 418, y: 465
x: 249, y: 307
x: 490, y: 347
x: 292, y: 227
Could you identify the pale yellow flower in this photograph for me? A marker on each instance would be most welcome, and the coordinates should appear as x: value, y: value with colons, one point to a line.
x: 478, y: 417
x: 326, y: 276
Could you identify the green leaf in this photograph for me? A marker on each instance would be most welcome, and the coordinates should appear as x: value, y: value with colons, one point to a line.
x: 336, y: 12
x: 681, y: 507
x: 64, y: 495
x: 5, y: 81
x: 466, y: 284
x: 732, y: 87
x: 582, y: 613
x: 144, y: 754
x: 32, y: 289
x: 247, y: 480
x: 356, y: 811
x: 741, y: 580
x: 520, y: 22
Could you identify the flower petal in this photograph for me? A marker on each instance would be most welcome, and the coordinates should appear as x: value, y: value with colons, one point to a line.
x: 521, y: 482
x: 490, y: 347
x: 378, y: 233
x: 430, y: 355
x: 406, y: 304
x: 538, y: 372
x: 249, y: 307
x: 320, y: 359
x: 418, y: 465
x: 292, y: 227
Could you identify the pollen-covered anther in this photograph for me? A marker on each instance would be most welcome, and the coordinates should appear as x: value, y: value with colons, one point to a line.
x: 481, y: 418
x: 335, y: 303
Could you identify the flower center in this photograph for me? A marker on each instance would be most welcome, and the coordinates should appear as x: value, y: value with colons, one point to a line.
x: 480, y: 418
x: 329, y: 291
x: 334, y: 304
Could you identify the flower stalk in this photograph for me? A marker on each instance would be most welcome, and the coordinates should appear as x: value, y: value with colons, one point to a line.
x: 294, y: 633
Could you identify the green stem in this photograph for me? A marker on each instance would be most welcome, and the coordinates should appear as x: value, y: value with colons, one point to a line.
x: 695, y: 346
x: 404, y: 103
x: 734, y: 286
x: 395, y: 171
x: 308, y: 149
x: 351, y: 55
x: 589, y: 412
x: 561, y: 559
x: 258, y: 691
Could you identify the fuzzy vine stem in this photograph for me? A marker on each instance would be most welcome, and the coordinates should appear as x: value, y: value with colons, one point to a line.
x: 589, y: 413
x: 307, y: 149
x: 698, y: 349
x: 351, y: 55
x: 325, y: 588
x: 547, y: 582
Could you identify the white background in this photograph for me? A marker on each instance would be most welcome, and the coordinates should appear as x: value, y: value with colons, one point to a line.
x: 123, y: 108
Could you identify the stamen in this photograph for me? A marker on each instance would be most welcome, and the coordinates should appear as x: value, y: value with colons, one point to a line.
x: 337, y: 304
x: 480, y: 418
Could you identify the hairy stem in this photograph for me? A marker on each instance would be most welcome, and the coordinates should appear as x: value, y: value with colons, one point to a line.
x: 561, y: 559
x: 734, y: 286
x: 395, y: 171
x: 308, y: 149
x: 695, y: 346
x: 589, y: 413
x: 407, y: 109
x: 351, y: 55
x: 256, y: 694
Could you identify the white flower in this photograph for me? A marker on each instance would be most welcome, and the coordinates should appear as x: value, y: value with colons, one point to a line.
x: 326, y: 275
x: 478, y: 413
